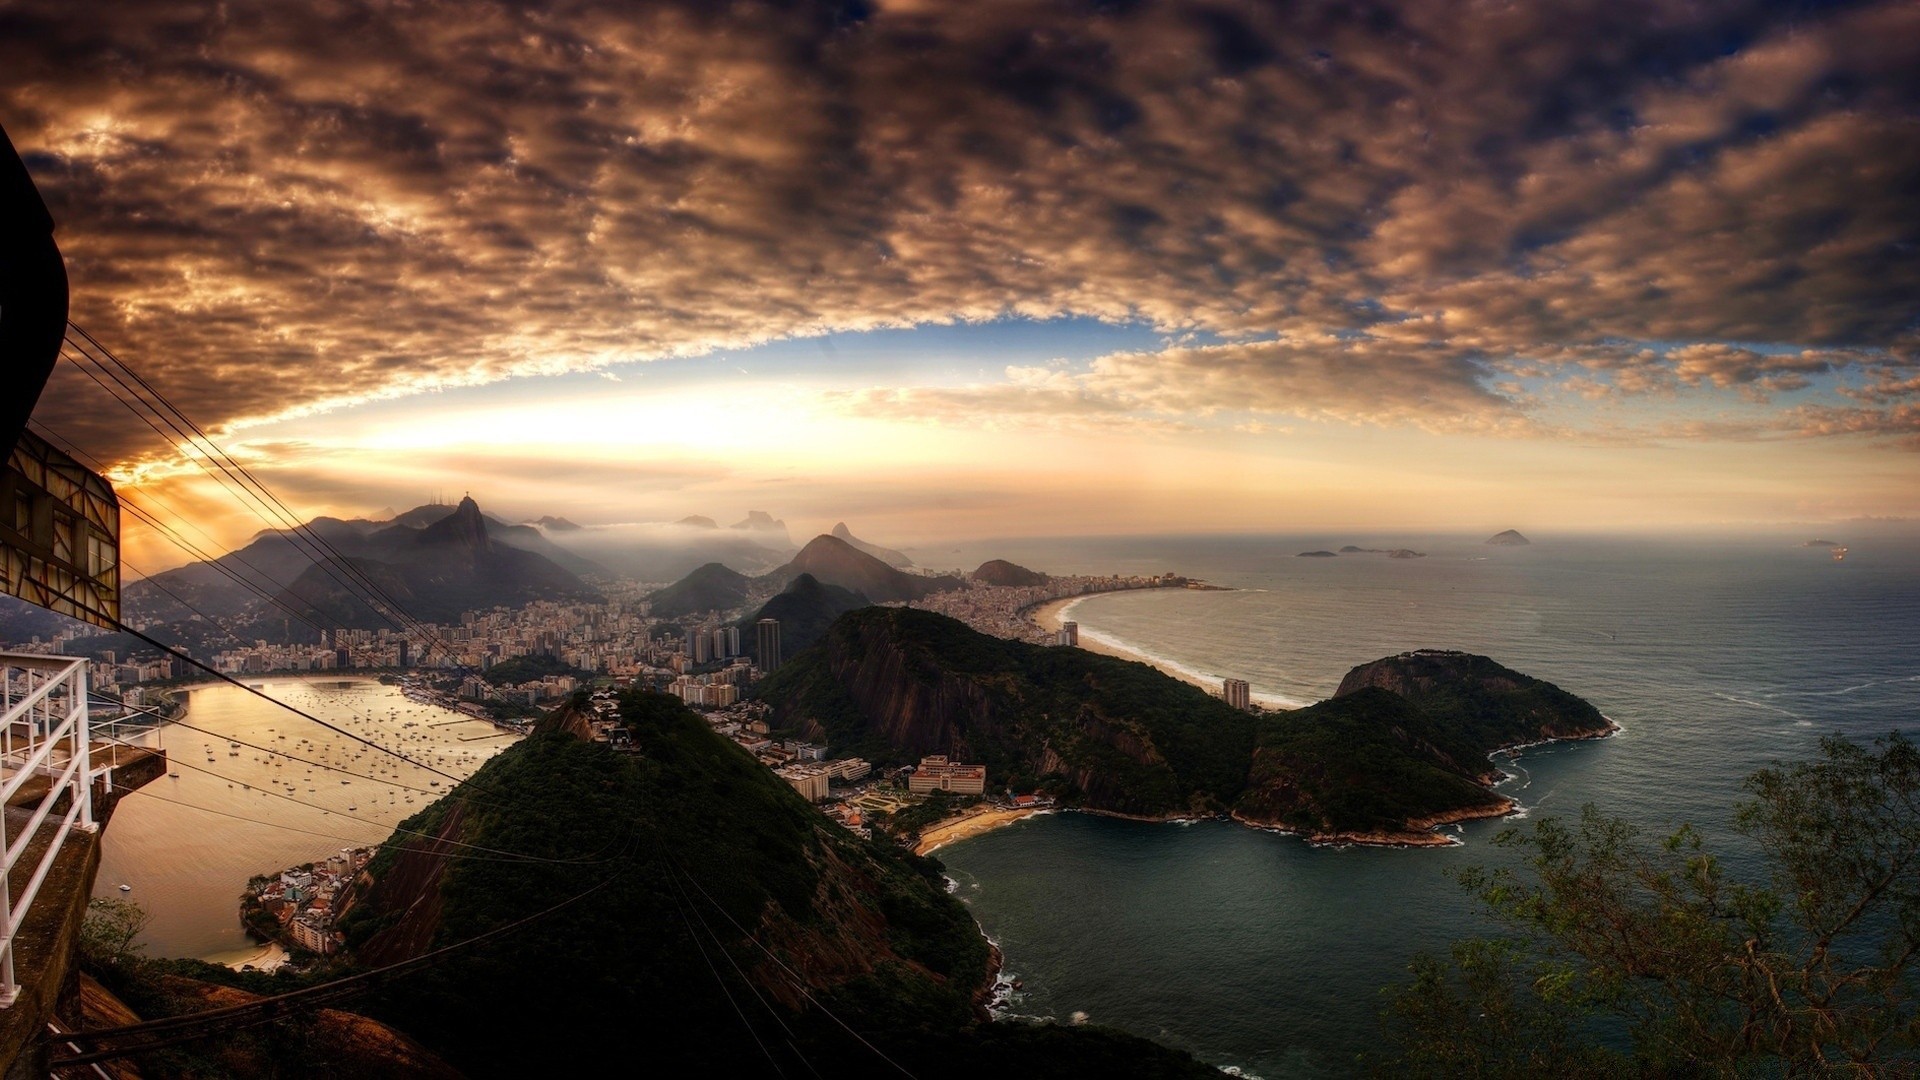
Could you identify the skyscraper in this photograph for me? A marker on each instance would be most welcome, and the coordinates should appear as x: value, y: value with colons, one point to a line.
x: 1237, y: 693
x: 769, y: 651
x: 699, y: 646
x: 1070, y: 633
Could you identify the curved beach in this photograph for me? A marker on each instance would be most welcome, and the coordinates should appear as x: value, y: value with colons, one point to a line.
x: 1050, y: 616
x: 964, y: 825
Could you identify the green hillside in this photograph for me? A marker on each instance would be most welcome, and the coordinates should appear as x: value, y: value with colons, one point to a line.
x: 729, y: 916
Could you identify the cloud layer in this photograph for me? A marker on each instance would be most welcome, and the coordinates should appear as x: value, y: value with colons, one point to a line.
x: 1409, y: 214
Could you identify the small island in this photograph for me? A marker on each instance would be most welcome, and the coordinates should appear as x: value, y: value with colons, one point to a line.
x: 1391, y: 553
x: 1316, y: 555
x: 1509, y: 538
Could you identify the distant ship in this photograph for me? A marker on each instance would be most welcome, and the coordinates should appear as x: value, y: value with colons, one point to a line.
x: 1839, y: 553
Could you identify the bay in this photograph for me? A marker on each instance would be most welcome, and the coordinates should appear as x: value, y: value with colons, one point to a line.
x: 187, y: 843
x: 1717, y: 655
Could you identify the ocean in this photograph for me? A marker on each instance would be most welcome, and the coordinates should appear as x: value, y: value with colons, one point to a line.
x: 1256, y: 951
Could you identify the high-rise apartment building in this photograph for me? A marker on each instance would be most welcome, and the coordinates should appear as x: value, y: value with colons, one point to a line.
x: 1237, y: 693
x: 768, y: 653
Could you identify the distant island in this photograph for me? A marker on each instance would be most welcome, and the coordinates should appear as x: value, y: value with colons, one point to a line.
x: 1316, y: 555
x: 1509, y: 538
x: 1821, y: 543
x: 1391, y: 553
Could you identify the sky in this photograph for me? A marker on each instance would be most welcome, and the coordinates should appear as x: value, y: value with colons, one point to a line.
x: 949, y: 271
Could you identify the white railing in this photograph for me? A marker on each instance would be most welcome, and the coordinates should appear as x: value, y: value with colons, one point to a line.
x: 43, y: 734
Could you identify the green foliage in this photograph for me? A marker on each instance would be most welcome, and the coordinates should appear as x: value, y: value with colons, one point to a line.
x: 108, y: 931
x: 693, y: 845
x: 713, y: 587
x: 891, y: 684
x: 913, y: 819
x: 1359, y: 764
x: 1151, y: 744
x: 805, y: 610
x: 1692, y: 973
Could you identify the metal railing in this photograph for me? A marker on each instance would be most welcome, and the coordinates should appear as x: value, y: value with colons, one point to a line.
x: 43, y: 734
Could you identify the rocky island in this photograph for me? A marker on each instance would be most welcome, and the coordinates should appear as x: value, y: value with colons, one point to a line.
x: 1509, y: 538
x: 1402, y: 747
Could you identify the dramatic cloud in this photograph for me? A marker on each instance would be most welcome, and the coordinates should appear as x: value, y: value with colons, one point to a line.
x: 1388, y: 213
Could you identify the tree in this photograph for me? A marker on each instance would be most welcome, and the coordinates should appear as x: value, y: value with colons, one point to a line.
x: 1630, y: 957
x: 107, y: 933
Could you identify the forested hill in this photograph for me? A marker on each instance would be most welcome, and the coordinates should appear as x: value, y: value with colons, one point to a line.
x: 892, y: 684
x: 716, y: 889
x: 1402, y: 749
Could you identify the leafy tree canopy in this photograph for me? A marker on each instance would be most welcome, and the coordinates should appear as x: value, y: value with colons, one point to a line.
x: 1630, y: 957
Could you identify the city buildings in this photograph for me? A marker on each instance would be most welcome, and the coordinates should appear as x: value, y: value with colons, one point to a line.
x: 936, y: 773
x: 1237, y: 693
x: 807, y: 778
x: 768, y: 631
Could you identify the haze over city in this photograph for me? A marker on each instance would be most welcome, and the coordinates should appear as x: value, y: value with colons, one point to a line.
x: 953, y: 271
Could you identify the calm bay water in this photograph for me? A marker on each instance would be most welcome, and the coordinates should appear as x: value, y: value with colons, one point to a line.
x: 188, y: 843
x: 1261, y: 952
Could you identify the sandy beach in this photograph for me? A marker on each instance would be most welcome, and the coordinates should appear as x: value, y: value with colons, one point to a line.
x: 960, y: 827
x: 1047, y: 616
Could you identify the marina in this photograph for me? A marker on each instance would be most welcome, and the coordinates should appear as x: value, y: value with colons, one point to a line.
x: 192, y: 843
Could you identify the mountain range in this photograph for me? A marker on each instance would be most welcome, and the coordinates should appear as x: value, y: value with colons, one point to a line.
x: 830, y: 561
x: 884, y: 554
x: 434, y: 573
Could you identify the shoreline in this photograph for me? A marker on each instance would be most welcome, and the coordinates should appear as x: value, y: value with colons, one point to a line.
x: 1051, y: 614
x: 973, y: 822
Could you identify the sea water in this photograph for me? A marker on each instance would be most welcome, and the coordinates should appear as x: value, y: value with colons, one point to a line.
x: 186, y: 843
x: 1715, y: 655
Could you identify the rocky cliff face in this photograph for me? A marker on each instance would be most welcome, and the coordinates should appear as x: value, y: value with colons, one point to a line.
x: 916, y: 709
x: 894, y: 684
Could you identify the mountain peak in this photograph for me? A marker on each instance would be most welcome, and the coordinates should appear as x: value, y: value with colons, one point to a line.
x: 884, y: 554
x: 465, y: 527
x: 838, y: 562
